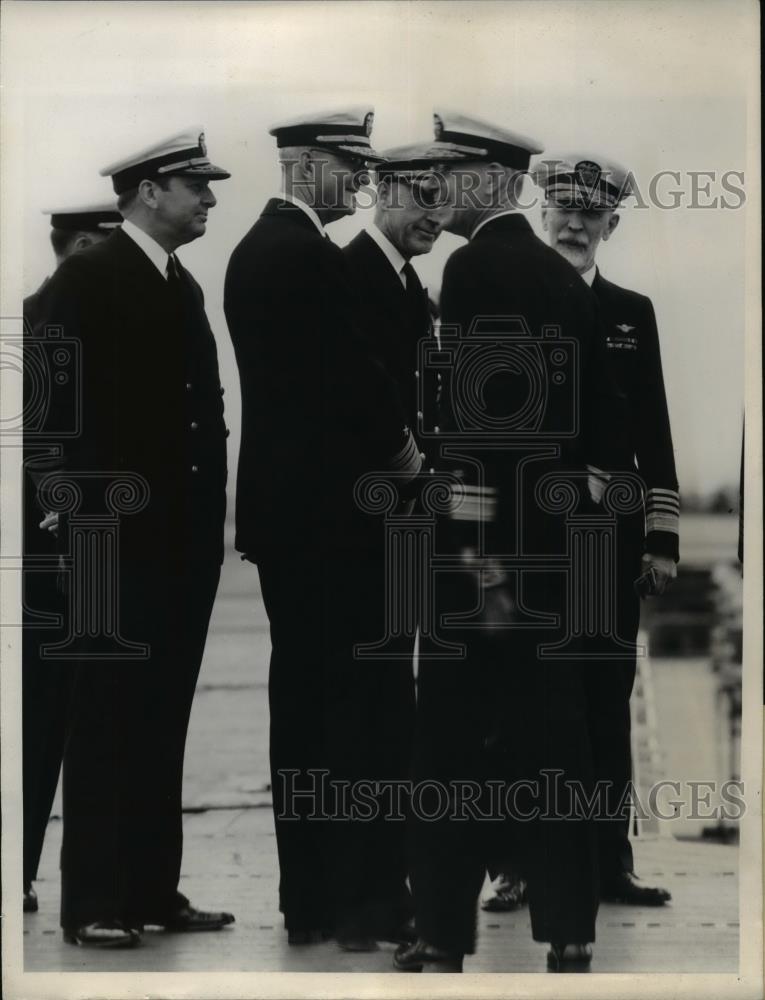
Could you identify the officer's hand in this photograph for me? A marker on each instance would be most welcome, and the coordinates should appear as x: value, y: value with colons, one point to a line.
x: 499, y: 608
x: 664, y: 570
x: 50, y: 523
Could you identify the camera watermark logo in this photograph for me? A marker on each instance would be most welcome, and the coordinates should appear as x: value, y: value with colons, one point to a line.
x: 501, y: 381
x: 49, y: 368
x: 508, y: 404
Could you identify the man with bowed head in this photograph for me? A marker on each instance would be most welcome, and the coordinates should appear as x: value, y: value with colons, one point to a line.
x: 506, y: 712
x: 410, y: 214
x: 319, y: 411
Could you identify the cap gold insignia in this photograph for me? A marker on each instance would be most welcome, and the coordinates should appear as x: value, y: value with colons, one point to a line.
x: 587, y: 173
x: 369, y: 120
x: 202, y: 144
x: 438, y: 126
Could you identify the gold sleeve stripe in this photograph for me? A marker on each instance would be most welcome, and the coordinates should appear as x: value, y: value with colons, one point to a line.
x: 408, y: 460
x: 473, y: 503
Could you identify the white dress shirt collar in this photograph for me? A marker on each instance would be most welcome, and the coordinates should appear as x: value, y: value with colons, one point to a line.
x: 393, y: 254
x: 306, y: 208
x: 497, y: 215
x: 150, y: 247
x: 589, y: 275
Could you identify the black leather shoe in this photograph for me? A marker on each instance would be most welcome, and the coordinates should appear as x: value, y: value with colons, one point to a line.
x: 569, y: 957
x: 30, y: 899
x: 103, y: 934
x: 626, y: 888
x: 188, y: 918
x: 507, y: 895
x: 414, y: 958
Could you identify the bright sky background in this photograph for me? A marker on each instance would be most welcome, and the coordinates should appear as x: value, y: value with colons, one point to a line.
x: 659, y: 86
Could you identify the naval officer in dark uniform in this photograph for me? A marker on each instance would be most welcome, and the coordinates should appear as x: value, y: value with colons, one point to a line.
x: 505, y: 712
x: 395, y: 318
x: 319, y: 410
x: 410, y: 215
x: 46, y: 685
x: 583, y: 193
x: 152, y: 448
x: 74, y: 228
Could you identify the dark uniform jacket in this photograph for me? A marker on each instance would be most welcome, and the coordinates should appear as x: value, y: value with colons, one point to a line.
x: 39, y: 448
x: 139, y: 358
x: 634, y: 357
x: 560, y: 399
x: 46, y: 686
x: 32, y: 305
x: 318, y: 410
x: 396, y: 320
x: 526, y: 395
x: 150, y: 399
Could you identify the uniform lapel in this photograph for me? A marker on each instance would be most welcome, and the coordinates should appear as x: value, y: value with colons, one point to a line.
x: 133, y: 266
x: 150, y: 315
x: 386, y: 286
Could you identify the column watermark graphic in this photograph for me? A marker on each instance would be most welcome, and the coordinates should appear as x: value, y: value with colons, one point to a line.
x: 72, y: 515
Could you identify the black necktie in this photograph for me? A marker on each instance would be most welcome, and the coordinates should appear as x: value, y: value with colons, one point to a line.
x: 175, y: 287
x: 173, y: 276
x: 412, y: 281
x: 415, y: 293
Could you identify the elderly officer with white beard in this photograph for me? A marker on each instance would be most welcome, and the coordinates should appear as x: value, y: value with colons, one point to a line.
x: 583, y: 193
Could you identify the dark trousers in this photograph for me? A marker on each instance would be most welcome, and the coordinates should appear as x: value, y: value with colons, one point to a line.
x: 608, y: 686
x: 123, y: 765
x: 504, y: 716
x: 351, y: 717
x: 45, y: 693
